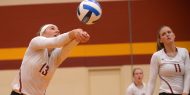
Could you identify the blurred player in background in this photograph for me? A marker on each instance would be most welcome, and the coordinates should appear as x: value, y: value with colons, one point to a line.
x: 43, y: 56
x: 137, y: 87
x: 171, y: 64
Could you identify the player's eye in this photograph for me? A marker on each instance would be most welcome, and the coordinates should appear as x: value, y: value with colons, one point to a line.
x: 163, y: 34
x: 52, y: 28
x: 169, y: 32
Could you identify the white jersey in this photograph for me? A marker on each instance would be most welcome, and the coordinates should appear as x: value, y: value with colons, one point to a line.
x: 38, y: 67
x: 173, y: 72
x: 134, y: 90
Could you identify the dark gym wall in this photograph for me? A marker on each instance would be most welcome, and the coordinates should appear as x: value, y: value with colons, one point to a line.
x: 20, y: 23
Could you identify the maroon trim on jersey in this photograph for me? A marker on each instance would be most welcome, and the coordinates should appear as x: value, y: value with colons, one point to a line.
x: 179, y: 67
x: 167, y: 84
x: 175, y: 67
x: 20, y: 82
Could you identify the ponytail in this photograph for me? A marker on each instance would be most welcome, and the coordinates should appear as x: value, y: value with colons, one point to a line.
x: 159, y: 45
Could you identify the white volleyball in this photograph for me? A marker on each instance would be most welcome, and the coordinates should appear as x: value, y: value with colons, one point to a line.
x: 89, y: 11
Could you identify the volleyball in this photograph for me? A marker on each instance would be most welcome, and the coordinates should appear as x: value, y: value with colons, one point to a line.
x: 89, y: 11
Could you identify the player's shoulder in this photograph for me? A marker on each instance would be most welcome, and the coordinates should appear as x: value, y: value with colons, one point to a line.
x: 131, y: 86
x: 158, y: 53
x: 180, y: 49
x: 37, y: 39
x: 130, y: 89
x: 183, y: 51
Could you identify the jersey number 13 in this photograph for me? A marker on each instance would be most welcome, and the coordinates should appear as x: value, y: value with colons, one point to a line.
x: 44, y: 69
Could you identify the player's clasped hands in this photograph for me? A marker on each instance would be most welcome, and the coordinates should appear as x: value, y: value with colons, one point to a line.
x: 81, y: 35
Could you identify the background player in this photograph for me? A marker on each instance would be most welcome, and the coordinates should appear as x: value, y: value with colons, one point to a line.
x: 137, y: 87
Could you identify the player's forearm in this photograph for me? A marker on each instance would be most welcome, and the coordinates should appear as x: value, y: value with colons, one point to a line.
x: 153, y: 75
x: 187, y: 74
x: 186, y: 82
x: 151, y: 82
x: 54, y: 42
x: 65, y: 51
x: 72, y: 34
x: 150, y: 87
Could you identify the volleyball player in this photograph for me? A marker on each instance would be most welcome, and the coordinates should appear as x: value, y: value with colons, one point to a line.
x: 171, y: 64
x: 137, y: 87
x: 43, y: 56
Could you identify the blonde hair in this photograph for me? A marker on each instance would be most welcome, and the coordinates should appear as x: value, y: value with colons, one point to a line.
x: 136, y: 69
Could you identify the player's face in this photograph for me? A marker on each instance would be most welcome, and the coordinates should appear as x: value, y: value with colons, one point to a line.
x: 166, y: 35
x: 138, y: 75
x: 51, y: 31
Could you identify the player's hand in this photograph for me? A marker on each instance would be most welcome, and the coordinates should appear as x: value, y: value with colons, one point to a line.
x: 81, y: 36
x: 84, y: 37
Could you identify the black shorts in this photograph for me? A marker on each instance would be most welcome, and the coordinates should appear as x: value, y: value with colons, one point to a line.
x: 15, y: 93
x: 163, y: 93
